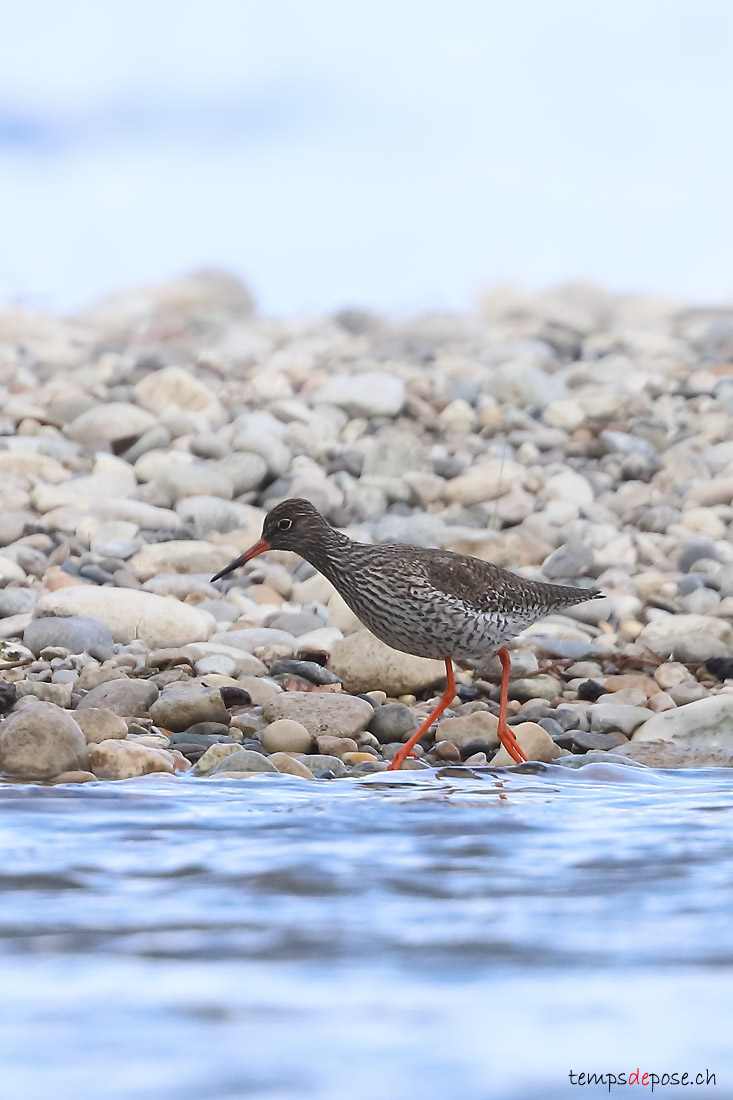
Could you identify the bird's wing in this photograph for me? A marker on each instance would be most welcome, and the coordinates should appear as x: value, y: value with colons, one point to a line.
x: 488, y: 588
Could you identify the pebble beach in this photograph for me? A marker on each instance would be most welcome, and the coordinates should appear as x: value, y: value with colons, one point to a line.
x: 573, y: 435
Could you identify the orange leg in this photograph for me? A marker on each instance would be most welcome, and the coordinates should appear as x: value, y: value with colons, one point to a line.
x: 506, y: 736
x: 445, y: 701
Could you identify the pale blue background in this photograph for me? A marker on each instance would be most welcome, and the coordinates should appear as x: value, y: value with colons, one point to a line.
x: 393, y: 153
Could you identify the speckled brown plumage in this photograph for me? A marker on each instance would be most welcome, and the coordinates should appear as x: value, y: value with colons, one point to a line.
x: 432, y: 603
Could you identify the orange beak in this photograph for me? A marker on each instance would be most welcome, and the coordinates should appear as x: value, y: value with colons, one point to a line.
x: 260, y: 547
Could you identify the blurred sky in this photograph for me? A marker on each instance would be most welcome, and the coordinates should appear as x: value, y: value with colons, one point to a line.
x: 397, y: 154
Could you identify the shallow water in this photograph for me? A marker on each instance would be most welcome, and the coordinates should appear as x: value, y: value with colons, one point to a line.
x: 173, y: 939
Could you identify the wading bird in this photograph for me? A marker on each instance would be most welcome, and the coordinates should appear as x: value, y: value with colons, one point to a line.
x: 431, y: 603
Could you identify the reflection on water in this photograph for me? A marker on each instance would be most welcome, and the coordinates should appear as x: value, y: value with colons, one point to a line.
x: 393, y: 937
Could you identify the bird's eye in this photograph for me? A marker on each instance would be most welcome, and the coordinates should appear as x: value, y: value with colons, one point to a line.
x: 284, y: 524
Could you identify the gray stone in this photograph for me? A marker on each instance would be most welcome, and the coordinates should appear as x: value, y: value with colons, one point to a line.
x: 693, y: 551
x: 393, y: 722
x: 572, y: 560
x: 188, y: 479
x: 296, y: 622
x: 585, y: 759
x: 245, y: 471
x: 154, y: 438
x: 605, y: 742
x: 369, y: 767
x: 559, y: 735
x: 319, y: 763
x: 202, y: 735
x: 41, y: 741
x: 567, y: 718
x: 183, y: 705
x: 77, y: 634
x: 128, y: 698
x: 615, y: 442
x: 245, y: 760
x: 16, y: 601
x: 306, y: 670
x: 208, y: 514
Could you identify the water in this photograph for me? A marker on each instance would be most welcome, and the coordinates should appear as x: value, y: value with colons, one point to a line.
x: 172, y: 939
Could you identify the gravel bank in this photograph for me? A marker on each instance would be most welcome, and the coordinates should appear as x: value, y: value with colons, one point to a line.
x: 566, y: 435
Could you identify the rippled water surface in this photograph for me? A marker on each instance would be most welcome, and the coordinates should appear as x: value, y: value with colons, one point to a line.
x: 388, y: 938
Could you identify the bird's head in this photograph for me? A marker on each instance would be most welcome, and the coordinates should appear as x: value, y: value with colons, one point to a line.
x: 291, y: 525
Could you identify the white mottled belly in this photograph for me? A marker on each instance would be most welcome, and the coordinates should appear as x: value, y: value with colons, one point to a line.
x: 461, y: 636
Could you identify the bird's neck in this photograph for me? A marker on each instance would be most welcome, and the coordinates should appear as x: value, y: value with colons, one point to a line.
x: 326, y: 553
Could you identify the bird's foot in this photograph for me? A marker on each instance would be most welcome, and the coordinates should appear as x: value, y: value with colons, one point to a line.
x: 399, y: 758
x: 510, y: 743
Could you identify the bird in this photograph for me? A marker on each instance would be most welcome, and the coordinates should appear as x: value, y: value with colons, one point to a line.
x: 424, y: 601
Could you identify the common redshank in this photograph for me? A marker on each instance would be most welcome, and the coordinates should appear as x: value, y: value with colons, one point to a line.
x: 432, y: 603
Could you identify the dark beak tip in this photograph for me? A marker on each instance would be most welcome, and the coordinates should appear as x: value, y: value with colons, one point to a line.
x: 259, y: 548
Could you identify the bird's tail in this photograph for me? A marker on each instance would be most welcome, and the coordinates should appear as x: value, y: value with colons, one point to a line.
x: 563, y: 595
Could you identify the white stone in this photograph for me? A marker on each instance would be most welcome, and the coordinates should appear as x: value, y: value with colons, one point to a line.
x: 185, y: 556
x: 30, y: 464
x: 156, y: 620
x: 175, y: 386
x: 688, y: 638
x: 126, y: 760
x: 110, y: 422
x: 706, y: 722
x: 115, y: 539
x: 479, y: 726
x: 321, y: 640
x: 10, y: 570
x: 288, y: 765
x: 245, y: 663
x: 138, y: 512
x: 606, y: 717
x: 255, y: 637
x: 286, y: 735
x: 100, y: 725
x: 571, y: 486
x: 371, y: 393
x: 488, y: 480
x: 40, y: 741
x: 567, y: 414
x: 213, y: 756
x: 363, y: 663
x: 321, y: 712
x: 216, y: 663
x: 534, y: 741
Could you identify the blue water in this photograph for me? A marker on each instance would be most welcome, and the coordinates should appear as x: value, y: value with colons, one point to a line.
x: 173, y: 939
